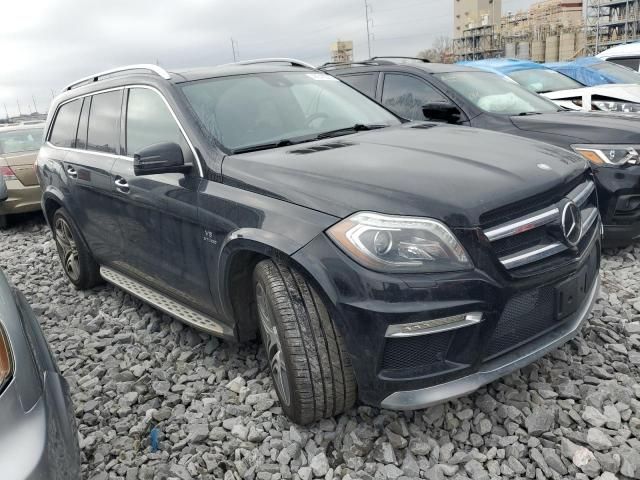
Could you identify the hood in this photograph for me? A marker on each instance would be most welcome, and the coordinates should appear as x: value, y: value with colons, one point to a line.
x: 454, y: 174
x: 586, y: 127
x: 616, y: 91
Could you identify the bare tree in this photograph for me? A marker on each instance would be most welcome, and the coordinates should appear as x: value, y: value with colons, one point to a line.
x: 441, y: 50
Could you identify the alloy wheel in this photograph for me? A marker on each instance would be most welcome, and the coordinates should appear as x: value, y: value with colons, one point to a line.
x: 273, y: 345
x: 67, y: 249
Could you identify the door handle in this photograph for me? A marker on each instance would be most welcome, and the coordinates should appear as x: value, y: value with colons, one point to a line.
x: 121, y: 184
x: 72, y: 172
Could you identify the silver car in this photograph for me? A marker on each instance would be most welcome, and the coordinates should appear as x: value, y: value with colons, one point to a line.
x: 38, y: 438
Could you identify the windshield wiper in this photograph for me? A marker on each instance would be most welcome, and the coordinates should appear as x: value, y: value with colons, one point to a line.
x: 358, y: 127
x: 285, y: 142
x: 524, y: 114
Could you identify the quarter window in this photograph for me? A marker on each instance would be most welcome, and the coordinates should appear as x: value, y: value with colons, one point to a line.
x: 407, y: 95
x: 63, y: 133
x: 149, y: 121
x: 366, y: 83
x: 104, y: 122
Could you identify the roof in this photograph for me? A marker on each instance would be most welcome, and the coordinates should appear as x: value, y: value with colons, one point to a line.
x: 427, y: 66
x: 583, y: 71
x: 504, y: 66
x: 190, y: 74
x: 625, y: 50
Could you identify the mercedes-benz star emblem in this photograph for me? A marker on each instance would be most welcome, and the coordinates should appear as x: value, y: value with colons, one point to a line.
x: 571, y: 224
x: 544, y: 166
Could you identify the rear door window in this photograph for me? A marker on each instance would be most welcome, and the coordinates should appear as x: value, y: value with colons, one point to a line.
x: 63, y: 133
x: 149, y: 121
x: 365, y: 82
x: 104, y: 122
x: 406, y: 95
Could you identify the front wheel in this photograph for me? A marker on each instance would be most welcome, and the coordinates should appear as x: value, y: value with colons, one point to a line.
x: 77, y: 262
x: 310, y: 367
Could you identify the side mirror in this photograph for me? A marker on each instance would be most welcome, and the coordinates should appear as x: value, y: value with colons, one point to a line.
x: 159, y: 158
x: 442, y: 111
x: 3, y: 190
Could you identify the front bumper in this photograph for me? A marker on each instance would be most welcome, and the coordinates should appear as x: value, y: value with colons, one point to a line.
x: 21, y: 199
x: 619, y: 199
x: 521, y: 319
x: 38, y: 437
x: 496, y: 368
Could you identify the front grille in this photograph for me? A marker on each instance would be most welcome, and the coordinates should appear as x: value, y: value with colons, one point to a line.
x: 415, y: 352
x: 525, y: 317
x: 519, y: 241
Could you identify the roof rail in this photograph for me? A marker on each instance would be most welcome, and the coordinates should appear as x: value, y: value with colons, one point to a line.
x: 329, y: 65
x: 424, y: 60
x: 292, y: 61
x: 143, y: 66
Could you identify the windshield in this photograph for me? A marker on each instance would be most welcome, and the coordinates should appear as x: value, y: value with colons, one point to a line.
x: 617, y: 72
x: 540, y: 80
x: 495, y: 94
x: 281, y: 107
x: 16, y: 141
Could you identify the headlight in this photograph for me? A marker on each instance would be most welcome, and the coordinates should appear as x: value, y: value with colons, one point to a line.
x: 609, y: 106
x: 389, y: 243
x: 609, y: 154
x: 6, y: 365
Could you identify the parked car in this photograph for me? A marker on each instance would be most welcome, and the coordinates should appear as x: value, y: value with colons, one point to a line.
x: 592, y: 71
x: 411, y: 262
x: 463, y: 95
x: 562, y: 89
x: 19, y: 146
x: 627, y: 54
x: 38, y: 438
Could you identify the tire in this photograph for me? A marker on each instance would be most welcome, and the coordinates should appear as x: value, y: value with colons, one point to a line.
x: 310, y: 367
x: 4, y: 222
x: 77, y: 262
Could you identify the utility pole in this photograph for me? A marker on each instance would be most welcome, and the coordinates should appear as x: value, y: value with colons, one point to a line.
x: 234, y: 49
x: 366, y: 16
x: 35, y: 105
x: 6, y: 112
x: 19, y: 111
x: 52, y: 94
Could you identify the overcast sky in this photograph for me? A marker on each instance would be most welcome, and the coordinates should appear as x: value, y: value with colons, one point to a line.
x: 45, y: 44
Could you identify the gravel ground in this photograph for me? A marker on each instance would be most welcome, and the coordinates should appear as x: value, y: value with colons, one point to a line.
x: 136, y: 374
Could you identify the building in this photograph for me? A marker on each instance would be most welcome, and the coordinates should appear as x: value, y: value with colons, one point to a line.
x: 611, y: 23
x: 551, y: 30
x: 342, y: 51
x: 474, y: 13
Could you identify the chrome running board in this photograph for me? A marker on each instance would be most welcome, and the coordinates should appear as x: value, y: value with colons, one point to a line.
x: 165, y: 304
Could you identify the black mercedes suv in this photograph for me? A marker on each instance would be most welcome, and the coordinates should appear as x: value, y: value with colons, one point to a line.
x: 402, y: 262
x: 456, y: 94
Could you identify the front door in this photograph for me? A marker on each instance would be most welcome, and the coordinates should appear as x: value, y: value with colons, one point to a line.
x: 158, y: 214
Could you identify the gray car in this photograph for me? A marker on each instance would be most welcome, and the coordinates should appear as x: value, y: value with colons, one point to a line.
x: 38, y: 437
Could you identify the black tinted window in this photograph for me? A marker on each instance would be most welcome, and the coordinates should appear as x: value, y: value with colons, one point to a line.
x: 407, y: 95
x: 149, y: 121
x: 104, y: 122
x: 366, y: 82
x: 632, y: 63
x: 63, y: 133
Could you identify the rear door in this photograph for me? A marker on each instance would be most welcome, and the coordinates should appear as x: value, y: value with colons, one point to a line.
x: 88, y: 168
x: 158, y: 214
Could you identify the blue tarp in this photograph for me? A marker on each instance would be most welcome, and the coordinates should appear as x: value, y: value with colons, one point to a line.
x: 584, y: 70
x: 504, y: 66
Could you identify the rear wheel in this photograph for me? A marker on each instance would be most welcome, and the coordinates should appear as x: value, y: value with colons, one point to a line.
x: 77, y: 262
x: 310, y: 367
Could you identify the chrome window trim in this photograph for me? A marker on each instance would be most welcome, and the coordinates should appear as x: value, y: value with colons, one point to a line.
x: 124, y: 157
x: 436, y: 325
x: 92, y: 152
x: 537, y: 219
x: 532, y: 255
